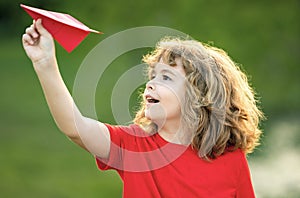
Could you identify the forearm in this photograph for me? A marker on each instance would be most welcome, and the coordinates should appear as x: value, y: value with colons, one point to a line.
x: 60, y: 102
x: 90, y: 134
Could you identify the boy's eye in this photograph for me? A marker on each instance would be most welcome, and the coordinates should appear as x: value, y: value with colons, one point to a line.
x: 151, y: 77
x: 165, y: 77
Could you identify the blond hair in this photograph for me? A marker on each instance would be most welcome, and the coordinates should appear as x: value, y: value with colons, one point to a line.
x: 220, y: 106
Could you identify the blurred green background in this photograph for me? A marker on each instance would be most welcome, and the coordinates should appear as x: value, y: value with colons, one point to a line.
x: 36, y: 160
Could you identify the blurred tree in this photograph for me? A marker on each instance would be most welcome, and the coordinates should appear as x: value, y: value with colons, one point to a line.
x: 262, y: 35
x: 12, y: 18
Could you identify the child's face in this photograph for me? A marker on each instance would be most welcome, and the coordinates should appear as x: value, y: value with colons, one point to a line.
x: 164, y: 93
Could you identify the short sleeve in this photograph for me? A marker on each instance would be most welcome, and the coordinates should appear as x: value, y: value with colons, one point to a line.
x: 245, y: 187
x: 114, y: 160
x: 123, y: 138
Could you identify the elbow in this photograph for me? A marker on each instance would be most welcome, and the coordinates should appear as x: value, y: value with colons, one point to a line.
x: 71, y: 126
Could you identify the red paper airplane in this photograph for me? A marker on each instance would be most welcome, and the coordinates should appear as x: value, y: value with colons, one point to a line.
x: 65, y: 29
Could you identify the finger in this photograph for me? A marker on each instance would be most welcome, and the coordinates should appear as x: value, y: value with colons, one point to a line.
x: 32, y: 32
x: 27, y: 39
x: 40, y: 28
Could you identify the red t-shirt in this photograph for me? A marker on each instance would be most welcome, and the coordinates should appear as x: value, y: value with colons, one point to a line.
x: 152, y: 167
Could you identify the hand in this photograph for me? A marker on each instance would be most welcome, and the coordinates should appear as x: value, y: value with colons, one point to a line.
x: 38, y: 43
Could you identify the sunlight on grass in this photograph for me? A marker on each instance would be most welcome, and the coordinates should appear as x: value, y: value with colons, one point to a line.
x: 276, y: 173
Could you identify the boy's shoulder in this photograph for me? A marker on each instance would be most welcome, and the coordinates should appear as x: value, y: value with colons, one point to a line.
x: 132, y: 129
x: 235, y: 156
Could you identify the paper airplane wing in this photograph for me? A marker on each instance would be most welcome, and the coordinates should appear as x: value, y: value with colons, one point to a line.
x: 65, y: 29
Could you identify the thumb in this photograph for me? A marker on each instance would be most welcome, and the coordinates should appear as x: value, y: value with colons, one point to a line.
x: 40, y: 28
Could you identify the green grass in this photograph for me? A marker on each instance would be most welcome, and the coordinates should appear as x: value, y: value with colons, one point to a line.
x: 36, y: 160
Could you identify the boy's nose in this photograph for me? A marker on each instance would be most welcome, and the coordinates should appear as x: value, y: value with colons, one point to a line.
x: 150, y: 86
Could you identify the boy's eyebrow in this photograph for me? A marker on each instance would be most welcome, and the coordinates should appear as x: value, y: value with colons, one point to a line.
x: 152, y: 71
x: 168, y: 71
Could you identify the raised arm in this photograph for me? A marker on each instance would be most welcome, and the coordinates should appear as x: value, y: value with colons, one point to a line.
x: 90, y: 134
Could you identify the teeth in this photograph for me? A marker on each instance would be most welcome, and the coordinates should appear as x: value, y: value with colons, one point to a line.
x: 151, y: 100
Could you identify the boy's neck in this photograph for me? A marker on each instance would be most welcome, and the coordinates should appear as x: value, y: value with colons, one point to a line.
x: 172, y: 132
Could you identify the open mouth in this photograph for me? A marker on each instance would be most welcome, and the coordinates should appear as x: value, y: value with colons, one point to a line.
x: 149, y: 99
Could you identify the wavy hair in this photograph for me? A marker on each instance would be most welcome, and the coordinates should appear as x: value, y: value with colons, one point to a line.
x: 219, y: 106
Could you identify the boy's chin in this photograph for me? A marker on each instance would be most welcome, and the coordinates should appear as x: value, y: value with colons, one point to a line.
x: 156, y: 119
x: 155, y: 113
